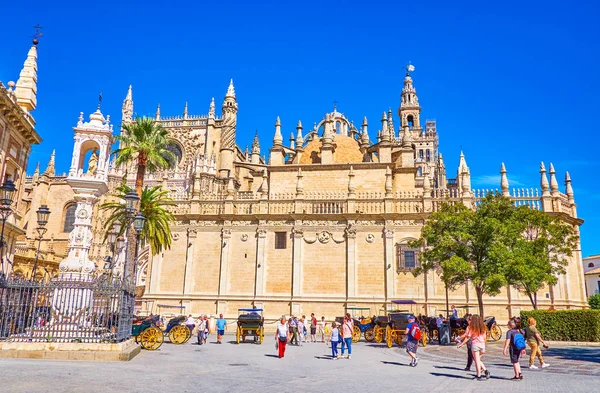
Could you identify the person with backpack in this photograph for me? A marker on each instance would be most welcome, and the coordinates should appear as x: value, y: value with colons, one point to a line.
x: 534, y: 340
x: 515, y: 345
x: 477, y: 331
x: 413, y: 335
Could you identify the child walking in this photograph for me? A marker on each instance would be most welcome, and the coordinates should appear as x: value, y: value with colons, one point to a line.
x: 334, y: 338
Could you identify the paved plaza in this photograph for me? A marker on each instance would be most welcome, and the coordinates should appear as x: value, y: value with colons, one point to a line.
x: 255, y: 368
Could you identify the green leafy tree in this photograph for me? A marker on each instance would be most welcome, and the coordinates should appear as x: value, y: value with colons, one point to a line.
x: 154, y: 206
x: 540, y: 245
x: 594, y: 301
x: 146, y: 143
x: 466, y: 245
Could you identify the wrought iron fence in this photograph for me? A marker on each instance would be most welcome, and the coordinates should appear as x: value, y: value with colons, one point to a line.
x: 66, y: 309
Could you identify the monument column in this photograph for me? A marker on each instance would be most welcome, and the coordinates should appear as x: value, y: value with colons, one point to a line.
x: 261, y: 258
x: 351, y: 260
x: 188, y: 285
x: 390, y: 279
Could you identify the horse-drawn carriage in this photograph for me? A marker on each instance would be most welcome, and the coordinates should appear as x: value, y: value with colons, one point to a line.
x: 250, y: 322
x: 362, y: 325
x: 459, y: 325
x: 148, y: 333
x: 392, y: 327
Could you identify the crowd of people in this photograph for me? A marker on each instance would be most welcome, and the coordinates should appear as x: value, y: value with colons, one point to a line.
x: 301, y: 330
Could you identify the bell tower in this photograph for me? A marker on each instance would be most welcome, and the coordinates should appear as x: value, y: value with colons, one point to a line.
x: 409, y: 110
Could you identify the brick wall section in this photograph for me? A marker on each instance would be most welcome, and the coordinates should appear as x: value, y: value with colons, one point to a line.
x: 207, y: 251
x: 324, y: 268
x: 279, y: 266
x: 370, y: 267
x: 242, y: 265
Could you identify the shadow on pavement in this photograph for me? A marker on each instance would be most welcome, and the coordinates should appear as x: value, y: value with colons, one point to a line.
x: 395, y: 363
x: 451, y: 376
x: 271, y: 356
x: 584, y: 354
x: 324, y: 357
x: 450, y: 368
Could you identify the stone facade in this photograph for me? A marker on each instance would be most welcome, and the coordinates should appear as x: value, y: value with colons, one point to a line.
x: 321, y: 225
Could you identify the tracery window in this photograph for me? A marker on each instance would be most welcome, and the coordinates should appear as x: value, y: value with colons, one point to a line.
x: 69, y: 219
x: 407, y: 258
x: 174, y: 148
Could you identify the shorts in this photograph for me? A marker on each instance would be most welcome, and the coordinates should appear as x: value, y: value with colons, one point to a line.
x: 411, y: 346
x: 477, y: 348
x: 221, y: 332
x: 313, y: 330
x: 515, y: 354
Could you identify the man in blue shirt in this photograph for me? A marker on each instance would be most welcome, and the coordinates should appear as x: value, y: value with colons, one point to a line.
x: 221, y: 327
x: 411, y: 342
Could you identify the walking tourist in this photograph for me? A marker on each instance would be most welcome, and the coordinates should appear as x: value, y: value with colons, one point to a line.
x: 294, y: 331
x: 190, y: 323
x: 469, y: 349
x: 281, y: 336
x: 326, y: 331
x: 201, y: 327
x: 515, y: 346
x: 534, y: 340
x: 347, y: 328
x: 454, y: 311
x: 206, y: 329
x: 313, y: 328
x: 335, y: 338
x: 412, y: 342
x: 221, y: 327
x: 301, y: 336
x: 477, y: 331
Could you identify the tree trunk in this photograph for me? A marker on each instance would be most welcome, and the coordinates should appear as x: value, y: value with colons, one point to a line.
x: 479, y: 293
x: 139, y: 178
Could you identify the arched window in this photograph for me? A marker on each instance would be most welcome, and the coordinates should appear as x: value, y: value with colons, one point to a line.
x: 410, y: 120
x: 419, y: 171
x: 69, y: 219
x: 428, y: 155
x: 590, y: 264
x: 174, y: 148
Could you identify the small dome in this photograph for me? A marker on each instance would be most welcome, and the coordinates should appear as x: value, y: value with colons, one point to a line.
x: 346, y: 150
x: 97, y: 118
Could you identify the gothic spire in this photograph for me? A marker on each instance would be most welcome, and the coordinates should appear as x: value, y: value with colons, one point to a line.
x: 157, y: 117
x: 569, y: 188
x: 299, y: 137
x: 255, y: 144
x: 553, y: 182
x: 407, y: 137
x: 127, y: 108
x: 36, y: 173
x: 462, y: 164
x: 211, y: 109
x: 230, y: 90
x: 391, y: 130
x: 26, y: 88
x: 504, y: 181
x: 385, y: 134
x: 50, y: 170
x: 543, y: 180
x: 185, y: 111
x: 278, y: 138
x: 364, y: 136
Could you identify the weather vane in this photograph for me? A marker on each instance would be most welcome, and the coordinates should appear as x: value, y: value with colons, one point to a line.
x: 409, y: 68
x: 99, y: 100
x: 38, y: 34
x: 335, y: 105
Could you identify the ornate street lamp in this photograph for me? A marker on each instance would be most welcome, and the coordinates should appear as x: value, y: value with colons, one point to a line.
x: 131, y: 200
x: 42, y: 219
x: 7, y: 191
x: 138, y: 225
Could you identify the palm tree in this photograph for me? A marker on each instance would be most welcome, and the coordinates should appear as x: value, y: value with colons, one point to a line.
x: 146, y: 142
x: 153, y: 205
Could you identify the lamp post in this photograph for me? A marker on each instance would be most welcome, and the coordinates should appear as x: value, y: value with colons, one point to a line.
x: 138, y: 225
x: 7, y: 191
x: 131, y: 200
x: 42, y: 219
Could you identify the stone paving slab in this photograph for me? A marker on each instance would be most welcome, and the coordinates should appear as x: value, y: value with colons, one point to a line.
x: 256, y: 368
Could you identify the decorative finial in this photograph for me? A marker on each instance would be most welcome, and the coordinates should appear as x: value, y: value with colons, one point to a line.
x: 335, y: 106
x: 409, y: 68
x: 100, y: 99
x: 568, y: 187
x: 544, y: 180
x: 38, y: 34
x: 504, y: 181
x: 553, y: 181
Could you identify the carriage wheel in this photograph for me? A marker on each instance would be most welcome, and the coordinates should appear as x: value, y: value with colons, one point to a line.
x: 398, y: 338
x: 355, y: 334
x: 389, y: 337
x: 179, y: 334
x: 370, y: 335
x: 238, y: 335
x: 378, y: 334
x: 424, y: 338
x: 496, y: 332
x: 151, y: 338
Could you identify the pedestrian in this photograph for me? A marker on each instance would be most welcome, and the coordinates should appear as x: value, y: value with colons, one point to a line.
x: 201, y: 327
x: 206, y: 329
x: 313, y: 328
x: 347, y: 329
x: 281, y: 336
x: 334, y: 338
x: 469, y: 349
x: 321, y: 329
x: 294, y: 331
x: 221, y: 327
x: 477, y: 331
x: 326, y: 332
x: 454, y: 312
x: 534, y: 339
x: 412, y: 342
x: 511, y: 345
x: 190, y: 323
x: 301, y: 337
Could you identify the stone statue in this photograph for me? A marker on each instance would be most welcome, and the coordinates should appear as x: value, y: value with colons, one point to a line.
x: 93, y: 163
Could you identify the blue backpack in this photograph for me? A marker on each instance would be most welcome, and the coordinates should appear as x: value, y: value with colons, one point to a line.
x: 519, y: 341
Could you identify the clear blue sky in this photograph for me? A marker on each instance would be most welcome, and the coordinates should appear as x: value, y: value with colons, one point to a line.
x: 516, y: 84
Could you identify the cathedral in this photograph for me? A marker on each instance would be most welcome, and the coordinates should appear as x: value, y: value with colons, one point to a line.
x: 324, y: 223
